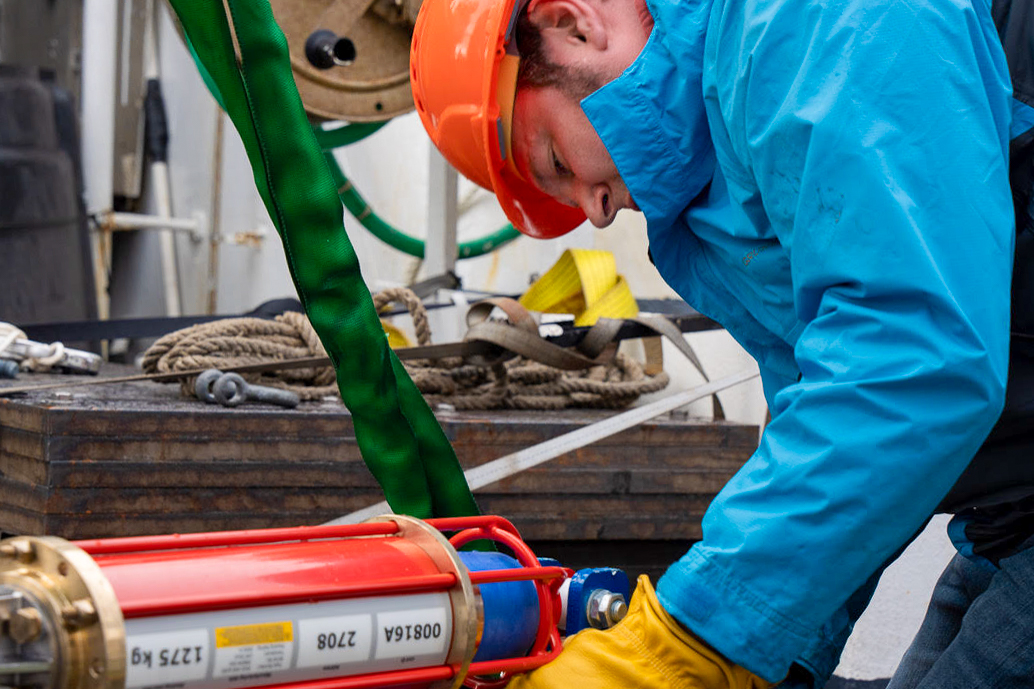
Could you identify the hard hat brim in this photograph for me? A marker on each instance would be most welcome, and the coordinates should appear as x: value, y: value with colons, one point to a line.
x: 531, y: 211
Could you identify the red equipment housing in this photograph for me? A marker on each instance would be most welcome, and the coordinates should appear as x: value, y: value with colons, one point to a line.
x: 386, y: 603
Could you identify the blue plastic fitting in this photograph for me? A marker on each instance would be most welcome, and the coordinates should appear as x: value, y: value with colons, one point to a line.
x: 511, y: 609
x: 583, y: 584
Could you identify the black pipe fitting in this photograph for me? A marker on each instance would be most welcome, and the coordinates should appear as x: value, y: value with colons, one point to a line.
x: 325, y: 49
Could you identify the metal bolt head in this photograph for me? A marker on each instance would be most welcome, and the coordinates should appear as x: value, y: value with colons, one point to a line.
x: 25, y: 625
x: 18, y: 550
x: 81, y: 613
x: 605, y: 609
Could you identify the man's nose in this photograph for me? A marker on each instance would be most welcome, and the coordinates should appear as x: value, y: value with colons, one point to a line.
x: 597, y: 203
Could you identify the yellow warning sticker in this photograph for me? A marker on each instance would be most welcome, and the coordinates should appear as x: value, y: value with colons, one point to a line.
x: 254, y: 634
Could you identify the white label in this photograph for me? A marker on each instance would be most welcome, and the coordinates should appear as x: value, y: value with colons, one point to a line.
x: 338, y: 640
x: 166, y: 658
x: 411, y: 633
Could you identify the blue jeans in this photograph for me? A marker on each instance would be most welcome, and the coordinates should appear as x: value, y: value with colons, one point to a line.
x: 979, y: 629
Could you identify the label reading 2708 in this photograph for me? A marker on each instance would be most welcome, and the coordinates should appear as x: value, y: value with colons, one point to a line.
x: 412, y: 633
x: 334, y: 640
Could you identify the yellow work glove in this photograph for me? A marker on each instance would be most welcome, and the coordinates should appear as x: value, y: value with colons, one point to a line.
x: 647, y: 649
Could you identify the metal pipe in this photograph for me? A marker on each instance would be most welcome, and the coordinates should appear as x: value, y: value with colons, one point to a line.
x: 167, y: 243
x: 217, y: 206
x: 441, y: 246
x: 98, y: 118
x: 140, y: 221
x: 160, y: 185
x: 100, y: 19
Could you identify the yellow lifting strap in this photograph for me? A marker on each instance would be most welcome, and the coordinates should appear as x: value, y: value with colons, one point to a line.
x: 583, y: 282
x: 396, y: 337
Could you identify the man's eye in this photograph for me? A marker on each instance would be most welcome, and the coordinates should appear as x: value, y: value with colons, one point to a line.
x: 557, y: 165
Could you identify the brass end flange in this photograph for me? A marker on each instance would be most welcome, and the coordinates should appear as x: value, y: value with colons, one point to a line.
x: 59, y: 615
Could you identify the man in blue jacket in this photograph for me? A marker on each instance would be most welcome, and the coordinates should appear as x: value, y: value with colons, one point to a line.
x: 831, y: 182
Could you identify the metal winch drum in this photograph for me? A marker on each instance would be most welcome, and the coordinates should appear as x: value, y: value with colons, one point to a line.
x: 350, y: 58
x: 387, y: 603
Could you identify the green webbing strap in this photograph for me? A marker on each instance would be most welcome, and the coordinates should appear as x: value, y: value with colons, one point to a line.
x: 397, y: 434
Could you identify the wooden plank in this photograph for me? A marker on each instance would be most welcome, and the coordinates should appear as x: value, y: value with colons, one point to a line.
x: 199, y: 500
x: 562, y: 475
x: 201, y: 448
x: 329, y: 475
x: 526, y: 428
x: 18, y: 414
x: 562, y: 506
x: 29, y: 444
x: 23, y: 496
x: 73, y: 527
x: 537, y: 527
x: 722, y: 446
x: 638, y: 455
x: 503, y: 433
x: 22, y: 467
x: 202, y: 420
x: 614, y: 481
x: 15, y: 521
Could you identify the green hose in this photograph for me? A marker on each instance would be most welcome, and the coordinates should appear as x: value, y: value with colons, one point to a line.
x: 329, y: 139
x: 343, y: 136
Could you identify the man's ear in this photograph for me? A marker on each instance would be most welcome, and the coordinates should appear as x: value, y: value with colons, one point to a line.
x: 576, y: 23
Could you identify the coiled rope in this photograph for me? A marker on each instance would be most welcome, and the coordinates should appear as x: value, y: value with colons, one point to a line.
x: 519, y: 383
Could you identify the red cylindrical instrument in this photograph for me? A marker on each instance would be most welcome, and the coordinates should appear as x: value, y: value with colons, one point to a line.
x: 386, y: 603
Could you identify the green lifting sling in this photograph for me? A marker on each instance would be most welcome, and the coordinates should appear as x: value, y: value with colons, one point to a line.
x: 398, y: 436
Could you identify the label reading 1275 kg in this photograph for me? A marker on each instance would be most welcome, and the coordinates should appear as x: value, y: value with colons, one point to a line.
x: 166, y: 658
x: 411, y: 633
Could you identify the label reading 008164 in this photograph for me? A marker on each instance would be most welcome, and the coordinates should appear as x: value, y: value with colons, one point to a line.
x: 412, y: 633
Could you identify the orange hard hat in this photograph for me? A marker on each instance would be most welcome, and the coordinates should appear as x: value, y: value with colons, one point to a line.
x: 463, y: 70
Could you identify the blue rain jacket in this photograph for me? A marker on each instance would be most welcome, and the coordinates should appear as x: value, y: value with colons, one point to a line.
x: 828, y: 180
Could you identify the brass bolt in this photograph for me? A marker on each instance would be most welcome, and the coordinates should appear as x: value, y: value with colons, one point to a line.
x: 20, y: 550
x: 25, y: 625
x: 87, y: 613
x: 81, y: 613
